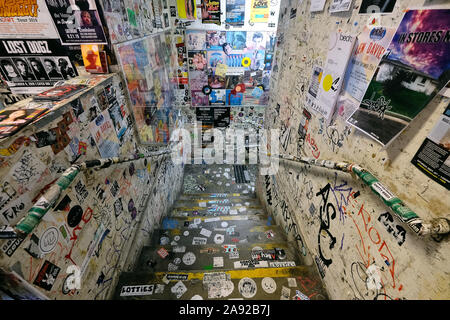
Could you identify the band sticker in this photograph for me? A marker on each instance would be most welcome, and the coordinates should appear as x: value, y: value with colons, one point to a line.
x: 384, y: 192
x: 269, y: 285
x: 189, y: 258
x: 162, y: 253
x: 281, y: 264
x: 142, y: 290
x: 247, y: 287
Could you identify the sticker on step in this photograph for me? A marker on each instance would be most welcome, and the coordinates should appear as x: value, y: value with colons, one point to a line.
x: 218, y: 262
x: 211, y: 220
x: 189, y: 258
x: 285, y: 293
x: 177, y: 276
x: 300, y: 296
x: 202, y: 204
x: 270, y: 234
x: 199, y: 241
x: 142, y: 290
x: 247, y: 287
x: 243, y: 264
x: 179, y: 249
x: 162, y: 252
x: 179, y: 289
x: 205, y: 232
x: 281, y: 264
x: 269, y: 285
x: 219, y: 238
x: 292, y: 282
x: 384, y: 192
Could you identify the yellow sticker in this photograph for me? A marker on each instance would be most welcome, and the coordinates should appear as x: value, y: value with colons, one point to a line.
x: 246, y: 62
x: 327, y: 82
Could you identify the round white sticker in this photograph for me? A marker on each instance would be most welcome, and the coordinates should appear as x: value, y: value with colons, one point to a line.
x: 186, y: 233
x: 189, y: 258
x: 48, y: 240
x: 269, y: 285
x: 219, y: 238
x: 197, y: 297
x: 177, y: 261
x: 176, y: 238
x: 224, y: 224
x: 247, y: 287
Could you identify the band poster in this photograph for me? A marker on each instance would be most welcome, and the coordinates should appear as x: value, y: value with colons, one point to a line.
x: 211, y: 11
x: 77, y: 21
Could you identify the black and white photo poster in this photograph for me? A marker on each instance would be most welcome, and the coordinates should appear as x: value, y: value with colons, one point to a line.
x: 30, y: 66
x: 77, y: 21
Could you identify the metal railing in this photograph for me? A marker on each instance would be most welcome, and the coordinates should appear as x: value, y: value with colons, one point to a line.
x: 47, y: 201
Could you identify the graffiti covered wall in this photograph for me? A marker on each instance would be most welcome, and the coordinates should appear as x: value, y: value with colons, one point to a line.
x: 360, y: 249
x: 103, y: 219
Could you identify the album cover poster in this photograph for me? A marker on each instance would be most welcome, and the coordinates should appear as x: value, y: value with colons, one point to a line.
x: 259, y: 11
x: 235, y: 14
x: 237, y: 39
x: 199, y: 99
x: 211, y: 11
x: 12, y: 120
x: 198, y: 79
x: 340, y: 5
x: 215, y: 57
x: 217, y: 97
x: 215, y: 40
x: 256, y: 40
x: 77, y: 21
x: 197, y: 60
x: 413, y: 70
x: 195, y: 40
x: 59, y: 93
x: 30, y: 66
x: 433, y: 156
x: 376, y: 6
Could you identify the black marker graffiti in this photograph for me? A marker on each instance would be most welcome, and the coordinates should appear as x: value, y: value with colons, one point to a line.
x: 388, y: 221
x: 325, y: 224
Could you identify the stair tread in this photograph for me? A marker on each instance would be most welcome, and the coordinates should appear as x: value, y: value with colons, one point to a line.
x: 165, y: 258
x: 195, y: 284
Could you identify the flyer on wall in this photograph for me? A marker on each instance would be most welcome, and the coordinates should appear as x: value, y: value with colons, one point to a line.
x: 187, y: 9
x: 30, y: 66
x: 413, y: 70
x: 259, y: 11
x: 211, y: 11
x: 235, y: 12
x: 29, y: 22
x: 77, y: 21
x: 340, y: 47
x: 370, y: 47
x: 432, y: 158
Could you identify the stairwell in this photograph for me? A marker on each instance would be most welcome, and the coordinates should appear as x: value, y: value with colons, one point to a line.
x: 219, y: 243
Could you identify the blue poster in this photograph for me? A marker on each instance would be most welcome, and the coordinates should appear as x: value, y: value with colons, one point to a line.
x: 235, y: 12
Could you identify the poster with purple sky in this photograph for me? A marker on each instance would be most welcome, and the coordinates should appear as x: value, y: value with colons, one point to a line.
x: 414, y: 69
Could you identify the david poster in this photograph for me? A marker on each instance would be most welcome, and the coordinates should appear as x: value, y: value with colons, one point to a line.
x: 413, y: 70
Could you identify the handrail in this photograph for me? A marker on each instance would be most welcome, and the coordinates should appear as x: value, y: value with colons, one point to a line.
x: 26, y: 225
x: 434, y: 227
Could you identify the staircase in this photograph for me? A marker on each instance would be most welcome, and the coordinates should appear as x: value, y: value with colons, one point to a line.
x: 219, y: 243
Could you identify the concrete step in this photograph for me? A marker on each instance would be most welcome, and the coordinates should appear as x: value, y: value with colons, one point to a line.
x: 207, y: 196
x: 180, y: 222
x: 241, y: 233
x: 216, y: 257
x: 234, y: 202
x: 216, y: 211
x: 285, y: 283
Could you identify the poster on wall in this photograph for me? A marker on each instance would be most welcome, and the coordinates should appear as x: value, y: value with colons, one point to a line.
x: 340, y: 47
x: 235, y: 12
x: 340, y: 5
x: 211, y: 11
x: 433, y: 156
x: 32, y: 21
x: 413, y: 70
x: 259, y: 11
x: 376, y: 6
x: 317, y: 5
x: 77, y: 21
x: 229, y: 67
x: 30, y: 66
x: 187, y: 9
x: 370, y: 47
